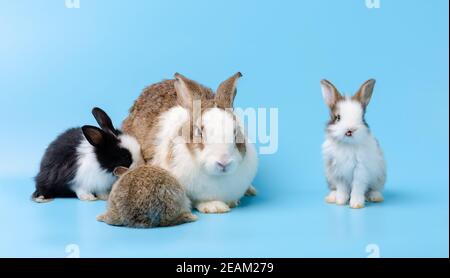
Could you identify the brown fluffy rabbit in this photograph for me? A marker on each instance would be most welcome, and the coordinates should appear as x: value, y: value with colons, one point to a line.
x: 146, y: 197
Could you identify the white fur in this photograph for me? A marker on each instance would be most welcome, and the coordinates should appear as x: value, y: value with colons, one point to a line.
x: 355, y: 167
x: 131, y: 144
x: 90, y: 178
x: 351, y: 113
x: 197, y: 172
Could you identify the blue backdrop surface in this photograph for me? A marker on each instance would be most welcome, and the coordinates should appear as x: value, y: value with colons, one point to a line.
x: 56, y: 63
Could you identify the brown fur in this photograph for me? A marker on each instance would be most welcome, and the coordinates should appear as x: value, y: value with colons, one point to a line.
x: 364, y: 93
x: 146, y: 197
x: 227, y: 92
x: 333, y: 106
x: 156, y: 99
x: 337, y: 96
x: 143, y: 118
x: 170, y: 154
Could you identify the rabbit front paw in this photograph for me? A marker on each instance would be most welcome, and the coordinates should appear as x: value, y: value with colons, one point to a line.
x: 83, y: 196
x: 103, y: 196
x: 331, y: 197
x: 342, y: 198
x: 357, y: 202
x: 213, y: 207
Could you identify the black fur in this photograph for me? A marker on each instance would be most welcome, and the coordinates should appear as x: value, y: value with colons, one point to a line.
x: 110, y: 155
x: 104, y: 121
x: 58, y: 166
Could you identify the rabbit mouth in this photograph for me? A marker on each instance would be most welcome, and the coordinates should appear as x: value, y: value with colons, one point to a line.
x: 220, y: 170
x: 351, y: 138
x: 348, y: 139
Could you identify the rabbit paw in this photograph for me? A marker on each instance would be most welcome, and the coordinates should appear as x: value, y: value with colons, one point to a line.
x: 188, y: 217
x: 103, y: 196
x: 213, y: 207
x: 357, y: 202
x: 375, y: 196
x: 342, y: 198
x: 86, y: 197
x: 251, y: 191
x: 42, y: 199
x: 331, y: 197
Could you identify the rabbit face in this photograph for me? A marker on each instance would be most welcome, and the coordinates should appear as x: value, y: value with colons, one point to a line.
x: 347, y: 123
x: 221, y: 153
x: 112, y: 147
x: 215, y: 138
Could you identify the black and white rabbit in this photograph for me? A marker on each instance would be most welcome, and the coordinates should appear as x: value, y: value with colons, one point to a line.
x: 80, y: 162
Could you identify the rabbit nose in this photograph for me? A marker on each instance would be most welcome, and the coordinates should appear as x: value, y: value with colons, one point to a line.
x: 350, y: 132
x: 222, y: 165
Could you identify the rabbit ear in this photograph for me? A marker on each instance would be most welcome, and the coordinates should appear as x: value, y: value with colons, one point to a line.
x: 94, y: 135
x: 226, y: 92
x: 103, y: 120
x: 187, y: 91
x: 364, y: 93
x: 119, y: 171
x: 329, y: 92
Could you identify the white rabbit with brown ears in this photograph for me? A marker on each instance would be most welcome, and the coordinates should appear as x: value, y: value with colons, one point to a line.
x: 193, y: 133
x: 354, y: 163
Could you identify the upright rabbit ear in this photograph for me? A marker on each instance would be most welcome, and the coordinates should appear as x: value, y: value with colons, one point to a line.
x: 329, y: 92
x: 226, y: 92
x: 119, y: 171
x: 103, y: 120
x: 94, y: 135
x: 187, y: 91
x: 364, y: 93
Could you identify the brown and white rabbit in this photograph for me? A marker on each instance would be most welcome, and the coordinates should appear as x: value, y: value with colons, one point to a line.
x: 146, y: 197
x: 193, y: 133
x: 354, y: 163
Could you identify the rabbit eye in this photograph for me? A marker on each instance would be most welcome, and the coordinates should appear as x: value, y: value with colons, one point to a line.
x: 338, y: 118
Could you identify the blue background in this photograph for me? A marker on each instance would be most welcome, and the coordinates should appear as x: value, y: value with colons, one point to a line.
x: 57, y: 63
